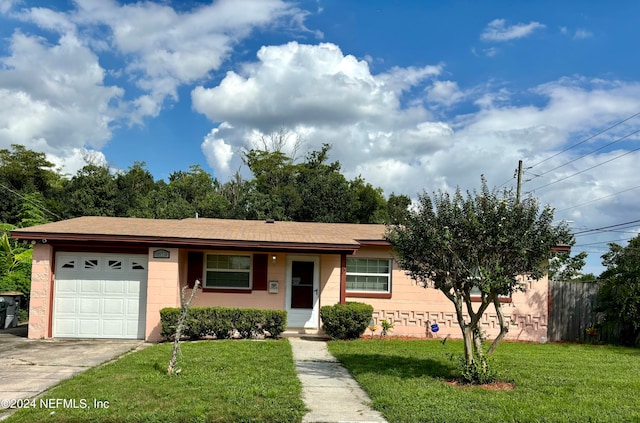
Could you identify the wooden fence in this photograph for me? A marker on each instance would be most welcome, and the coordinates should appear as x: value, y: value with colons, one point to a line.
x: 571, y: 312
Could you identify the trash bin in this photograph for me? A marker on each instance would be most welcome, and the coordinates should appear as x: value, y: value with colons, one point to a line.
x: 3, y: 312
x: 12, y: 302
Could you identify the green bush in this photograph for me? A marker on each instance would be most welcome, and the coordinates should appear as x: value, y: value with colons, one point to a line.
x: 346, y: 321
x: 223, y: 322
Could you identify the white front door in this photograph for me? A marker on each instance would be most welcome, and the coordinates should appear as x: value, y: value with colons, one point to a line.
x: 100, y: 295
x: 303, y: 286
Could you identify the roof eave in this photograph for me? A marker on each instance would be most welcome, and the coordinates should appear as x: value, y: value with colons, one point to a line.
x: 186, y: 242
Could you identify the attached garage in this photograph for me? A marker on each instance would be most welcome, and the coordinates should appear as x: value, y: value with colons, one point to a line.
x: 98, y: 295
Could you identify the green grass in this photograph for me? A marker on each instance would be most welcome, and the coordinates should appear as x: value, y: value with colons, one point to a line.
x: 221, y: 381
x: 406, y: 381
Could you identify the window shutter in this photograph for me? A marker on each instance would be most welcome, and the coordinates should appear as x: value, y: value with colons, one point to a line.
x: 260, y: 264
x: 195, y: 261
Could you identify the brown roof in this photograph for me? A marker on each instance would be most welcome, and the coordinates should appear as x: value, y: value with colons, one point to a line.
x: 208, y: 232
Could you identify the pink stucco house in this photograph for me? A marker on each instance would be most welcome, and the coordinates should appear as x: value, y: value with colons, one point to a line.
x: 105, y: 277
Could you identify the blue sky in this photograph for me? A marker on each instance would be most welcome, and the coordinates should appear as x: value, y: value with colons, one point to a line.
x: 412, y: 95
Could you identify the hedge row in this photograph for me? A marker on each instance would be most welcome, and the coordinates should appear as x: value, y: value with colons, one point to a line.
x: 224, y: 322
x: 346, y: 321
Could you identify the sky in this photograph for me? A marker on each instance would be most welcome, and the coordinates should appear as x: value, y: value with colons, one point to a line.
x: 414, y: 96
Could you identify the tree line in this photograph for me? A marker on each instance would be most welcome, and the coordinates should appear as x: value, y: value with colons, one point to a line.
x: 311, y: 190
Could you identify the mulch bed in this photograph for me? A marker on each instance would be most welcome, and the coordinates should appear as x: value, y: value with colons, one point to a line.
x: 495, y: 386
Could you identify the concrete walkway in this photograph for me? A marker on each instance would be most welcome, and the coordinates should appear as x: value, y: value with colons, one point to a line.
x: 328, y: 390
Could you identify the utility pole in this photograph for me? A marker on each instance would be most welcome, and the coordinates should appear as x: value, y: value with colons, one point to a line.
x: 519, y: 186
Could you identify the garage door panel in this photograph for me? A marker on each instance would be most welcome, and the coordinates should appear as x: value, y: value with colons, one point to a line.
x: 66, y: 286
x: 66, y: 327
x: 133, y: 328
x: 100, y: 296
x: 114, y: 306
x: 133, y: 287
x: 89, y: 328
x: 115, y: 287
x: 90, y: 286
x: 88, y: 306
x: 133, y: 307
x: 114, y: 328
x: 66, y: 306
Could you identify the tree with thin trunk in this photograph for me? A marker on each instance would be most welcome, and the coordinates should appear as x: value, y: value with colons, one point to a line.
x: 185, y: 304
x: 483, y: 244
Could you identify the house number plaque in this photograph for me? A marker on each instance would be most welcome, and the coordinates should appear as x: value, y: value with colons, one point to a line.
x: 162, y: 254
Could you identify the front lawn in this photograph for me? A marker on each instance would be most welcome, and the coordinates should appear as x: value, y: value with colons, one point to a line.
x: 406, y: 381
x: 221, y: 381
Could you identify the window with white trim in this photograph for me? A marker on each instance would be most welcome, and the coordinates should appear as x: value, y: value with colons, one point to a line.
x: 368, y: 275
x: 227, y: 271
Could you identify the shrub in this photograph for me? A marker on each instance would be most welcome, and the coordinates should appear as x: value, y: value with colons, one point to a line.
x: 223, y: 322
x: 479, y: 372
x: 346, y: 321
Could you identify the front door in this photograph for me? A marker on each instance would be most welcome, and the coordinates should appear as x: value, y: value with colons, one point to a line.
x: 302, y: 291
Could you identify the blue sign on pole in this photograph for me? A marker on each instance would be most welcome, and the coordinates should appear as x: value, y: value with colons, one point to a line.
x: 435, y: 328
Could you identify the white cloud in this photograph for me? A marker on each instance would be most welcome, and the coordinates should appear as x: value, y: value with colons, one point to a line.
x: 75, y: 159
x: 330, y: 97
x: 444, y: 92
x: 6, y: 5
x: 52, y: 84
x: 582, y: 34
x: 216, y: 150
x: 166, y: 48
x: 307, y: 84
x: 498, y: 31
x: 53, y: 97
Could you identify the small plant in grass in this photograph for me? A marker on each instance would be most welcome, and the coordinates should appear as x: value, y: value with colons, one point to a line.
x: 479, y: 372
x: 386, y: 327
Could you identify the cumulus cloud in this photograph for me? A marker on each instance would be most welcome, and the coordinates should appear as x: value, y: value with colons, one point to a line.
x: 330, y: 97
x: 306, y: 84
x: 444, y: 92
x: 498, y: 31
x: 53, y: 97
x: 52, y: 84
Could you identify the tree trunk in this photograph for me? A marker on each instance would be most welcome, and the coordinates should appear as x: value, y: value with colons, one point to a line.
x: 504, y: 325
x: 467, y: 334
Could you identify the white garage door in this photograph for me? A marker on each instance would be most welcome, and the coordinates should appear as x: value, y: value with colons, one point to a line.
x: 100, y: 295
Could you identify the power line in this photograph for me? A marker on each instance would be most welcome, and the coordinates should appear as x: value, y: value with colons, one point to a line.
x: 39, y: 206
x: 584, y: 155
x: 598, y: 199
x: 587, y: 169
x: 606, y: 227
x: 603, y: 242
x: 585, y: 140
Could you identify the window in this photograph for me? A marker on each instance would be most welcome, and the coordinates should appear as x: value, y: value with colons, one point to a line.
x: 368, y: 275
x: 114, y: 264
x: 70, y: 264
x: 476, y: 294
x: 227, y: 272
x: 91, y: 264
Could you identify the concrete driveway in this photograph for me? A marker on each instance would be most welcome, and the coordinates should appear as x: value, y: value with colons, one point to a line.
x: 28, y: 367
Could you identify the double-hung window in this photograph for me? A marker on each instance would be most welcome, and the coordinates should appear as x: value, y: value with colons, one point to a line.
x: 368, y: 275
x: 227, y: 271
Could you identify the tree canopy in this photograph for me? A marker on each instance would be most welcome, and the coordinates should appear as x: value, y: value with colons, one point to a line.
x: 487, y: 242
x: 619, y: 294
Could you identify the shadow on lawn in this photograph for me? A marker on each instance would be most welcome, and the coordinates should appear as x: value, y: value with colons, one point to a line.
x: 398, y: 366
